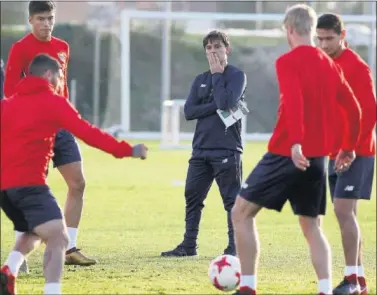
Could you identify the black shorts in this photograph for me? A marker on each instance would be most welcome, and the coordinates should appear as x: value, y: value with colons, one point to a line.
x: 28, y: 207
x: 275, y: 180
x: 66, y: 149
x: 355, y: 183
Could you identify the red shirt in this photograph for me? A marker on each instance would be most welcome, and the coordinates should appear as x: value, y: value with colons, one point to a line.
x: 359, y: 77
x: 24, y: 51
x: 29, y: 122
x: 312, y: 92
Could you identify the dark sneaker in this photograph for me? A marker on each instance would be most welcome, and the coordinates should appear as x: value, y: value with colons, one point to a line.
x: 245, y: 291
x: 230, y: 251
x: 349, y: 286
x: 180, y: 251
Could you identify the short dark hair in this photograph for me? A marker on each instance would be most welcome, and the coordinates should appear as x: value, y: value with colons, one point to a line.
x: 330, y: 21
x: 216, y: 36
x: 43, y: 63
x: 41, y: 6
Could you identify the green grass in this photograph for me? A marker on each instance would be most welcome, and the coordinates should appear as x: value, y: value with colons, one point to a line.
x: 133, y: 212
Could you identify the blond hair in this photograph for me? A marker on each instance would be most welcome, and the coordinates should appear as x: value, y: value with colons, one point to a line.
x: 302, y: 18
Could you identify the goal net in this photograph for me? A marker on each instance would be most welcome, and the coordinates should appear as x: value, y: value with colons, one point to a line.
x: 161, y: 53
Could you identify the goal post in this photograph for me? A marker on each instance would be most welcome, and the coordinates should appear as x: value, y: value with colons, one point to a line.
x: 170, y: 123
x: 171, y: 109
x: 171, y: 135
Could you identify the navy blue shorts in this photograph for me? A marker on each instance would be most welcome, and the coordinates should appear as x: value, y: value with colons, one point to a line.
x: 355, y: 183
x: 28, y: 207
x: 275, y: 180
x: 66, y: 149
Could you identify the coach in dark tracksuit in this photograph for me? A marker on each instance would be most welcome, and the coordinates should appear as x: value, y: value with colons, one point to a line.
x: 2, y: 76
x: 216, y: 151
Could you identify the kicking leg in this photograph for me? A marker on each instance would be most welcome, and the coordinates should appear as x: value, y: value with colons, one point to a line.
x: 247, y: 242
x: 266, y: 186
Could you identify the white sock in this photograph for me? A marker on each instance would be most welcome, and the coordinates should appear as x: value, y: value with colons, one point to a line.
x: 360, y: 271
x: 324, y: 286
x: 249, y: 281
x: 350, y: 270
x: 53, y: 288
x: 72, y: 233
x: 14, y: 262
x: 18, y: 234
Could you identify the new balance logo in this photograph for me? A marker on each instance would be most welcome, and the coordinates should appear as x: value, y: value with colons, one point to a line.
x: 225, y: 161
x: 203, y: 85
x: 349, y: 188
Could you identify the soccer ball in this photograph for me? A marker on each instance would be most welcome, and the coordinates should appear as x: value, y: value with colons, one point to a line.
x: 224, y: 272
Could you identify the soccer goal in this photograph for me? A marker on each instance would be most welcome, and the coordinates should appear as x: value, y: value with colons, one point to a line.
x: 171, y: 134
x: 165, y: 114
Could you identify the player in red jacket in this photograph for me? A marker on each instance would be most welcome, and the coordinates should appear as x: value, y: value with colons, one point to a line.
x: 30, y: 120
x: 67, y: 156
x: 311, y: 89
x: 356, y: 183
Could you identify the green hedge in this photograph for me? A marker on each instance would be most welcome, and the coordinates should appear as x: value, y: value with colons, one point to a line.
x: 81, y: 62
x: 145, y: 69
x: 187, y: 61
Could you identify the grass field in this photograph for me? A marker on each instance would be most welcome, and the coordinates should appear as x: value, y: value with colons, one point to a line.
x: 133, y: 212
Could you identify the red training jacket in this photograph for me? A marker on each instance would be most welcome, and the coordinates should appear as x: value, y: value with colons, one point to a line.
x: 29, y: 122
x: 24, y: 51
x: 312, y: 92
x: 359, y: 77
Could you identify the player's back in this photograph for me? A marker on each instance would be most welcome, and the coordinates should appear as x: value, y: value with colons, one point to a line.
x: 306, y: 105
x: 27, y: 133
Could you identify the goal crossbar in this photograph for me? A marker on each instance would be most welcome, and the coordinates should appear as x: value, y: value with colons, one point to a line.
x: 178, y: 15
x: 127, y: 15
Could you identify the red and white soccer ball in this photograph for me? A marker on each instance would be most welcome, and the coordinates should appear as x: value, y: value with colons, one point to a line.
x: 225, y: 272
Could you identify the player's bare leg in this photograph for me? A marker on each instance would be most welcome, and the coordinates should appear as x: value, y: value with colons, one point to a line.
x: 350, y: 232
x: 360, y: 267
x: 54, y: 234
x: 74, y: 177
x: 24, y: 268
x: 247, y: 243
x: 319, y: 250
x: 25, y: 244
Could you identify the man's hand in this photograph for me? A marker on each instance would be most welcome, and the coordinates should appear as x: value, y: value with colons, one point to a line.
x: 344, y: 160
x: 139, y: 151
x: 214, y: 63
x: 300, y: 161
